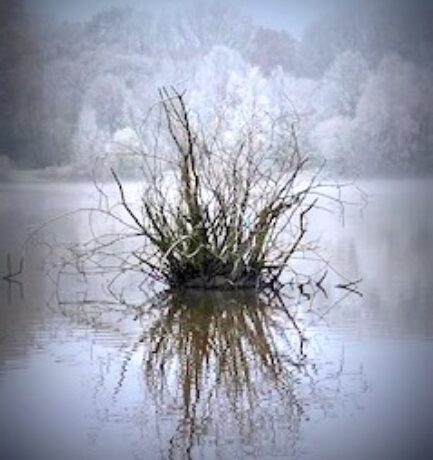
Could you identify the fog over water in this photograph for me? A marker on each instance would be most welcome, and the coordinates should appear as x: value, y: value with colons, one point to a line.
x: 81, y: 378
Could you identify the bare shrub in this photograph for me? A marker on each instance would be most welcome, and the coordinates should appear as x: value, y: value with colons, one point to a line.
x: 234, y: 211
x: 219, y: 208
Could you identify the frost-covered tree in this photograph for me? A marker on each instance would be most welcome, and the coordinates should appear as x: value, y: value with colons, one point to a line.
x: 373, y: 29
x: 388, y: 124
x: 106, y: 72
x: 201, y: 25
x: 331, y: 140
x: 272, y: 48
x: 342, y: 85
x: 228, y: 91
x: 107, y: 96
x: 21, y: 118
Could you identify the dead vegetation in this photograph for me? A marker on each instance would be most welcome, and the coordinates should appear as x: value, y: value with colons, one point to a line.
x: 214, y: 211
x: 233, y: 212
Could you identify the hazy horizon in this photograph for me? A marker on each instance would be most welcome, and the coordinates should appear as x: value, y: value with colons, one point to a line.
x: 290, y: 15
x: 358, y: 73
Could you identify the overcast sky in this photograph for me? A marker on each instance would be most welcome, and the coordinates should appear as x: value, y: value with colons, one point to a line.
x: 292, y: 15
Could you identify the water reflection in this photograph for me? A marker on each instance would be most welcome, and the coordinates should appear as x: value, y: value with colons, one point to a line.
x: 232, y: 369
x: 228, y: 373
x: 224, y: 350
x: 221, y: 376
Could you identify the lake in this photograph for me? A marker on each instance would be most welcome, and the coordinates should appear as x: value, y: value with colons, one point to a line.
x: 320, y: 374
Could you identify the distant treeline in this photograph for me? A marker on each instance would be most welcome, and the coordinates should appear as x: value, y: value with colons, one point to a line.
x: 359, y: 80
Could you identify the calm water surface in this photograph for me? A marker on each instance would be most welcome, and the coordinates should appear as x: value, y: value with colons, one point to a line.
x: 222, y: 376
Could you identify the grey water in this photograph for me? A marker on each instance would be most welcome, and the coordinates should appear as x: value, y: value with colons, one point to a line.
x: 337, y: 375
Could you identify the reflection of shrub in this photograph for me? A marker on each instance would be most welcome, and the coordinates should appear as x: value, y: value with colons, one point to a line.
x: 223, y: 350
x: 235, y: 211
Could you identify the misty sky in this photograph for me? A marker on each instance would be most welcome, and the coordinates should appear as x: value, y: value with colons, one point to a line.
x: 292, y: 15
